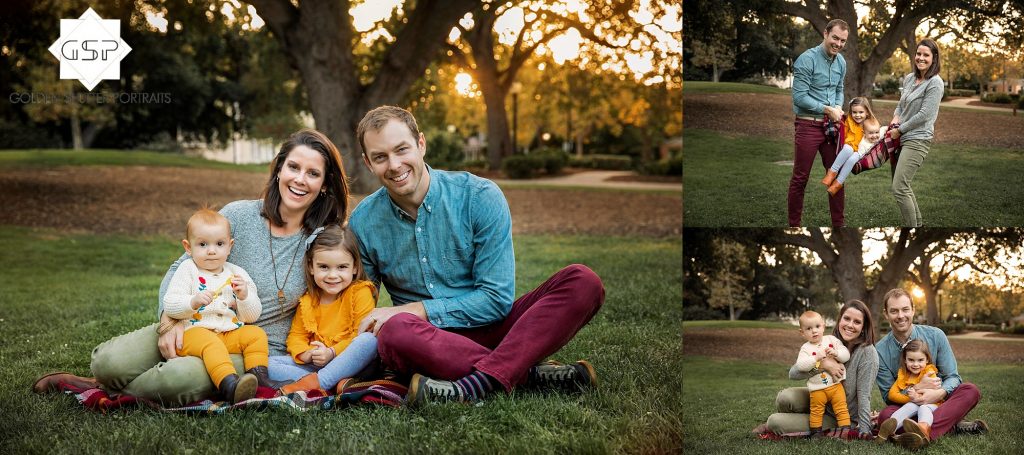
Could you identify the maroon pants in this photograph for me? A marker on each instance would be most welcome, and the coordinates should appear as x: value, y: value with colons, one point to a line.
x: 810, y: 140
x: 950, y: 412
x: 540, y: 323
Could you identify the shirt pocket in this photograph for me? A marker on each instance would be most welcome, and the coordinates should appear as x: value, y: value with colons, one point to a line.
x: 458, y: 266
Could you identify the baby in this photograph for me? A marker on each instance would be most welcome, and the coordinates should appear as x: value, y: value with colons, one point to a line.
x: 823, y: 387
x: 218, y: 299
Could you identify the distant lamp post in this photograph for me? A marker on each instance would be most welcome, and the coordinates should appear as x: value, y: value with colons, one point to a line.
x: 516, y: 88
x: 546, y: 137
x: 451, y: 128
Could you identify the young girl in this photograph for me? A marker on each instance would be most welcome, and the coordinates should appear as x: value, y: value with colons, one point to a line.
x: 323, y: 342
x: 917, y: 365
x: 860, y: 110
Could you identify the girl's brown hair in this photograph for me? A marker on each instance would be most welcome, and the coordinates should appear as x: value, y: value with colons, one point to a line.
x: 867, y: 331
x: 914, y: 346
x: 333, y: 237
x: 862, y: 101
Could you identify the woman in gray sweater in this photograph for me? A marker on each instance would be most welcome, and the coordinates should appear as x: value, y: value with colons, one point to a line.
x: 915, y: 113
x: 856, y: 328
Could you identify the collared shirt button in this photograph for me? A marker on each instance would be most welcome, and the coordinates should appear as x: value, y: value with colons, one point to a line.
x: 423, y: 259
x: 418, y: 229
x: 431, y: 285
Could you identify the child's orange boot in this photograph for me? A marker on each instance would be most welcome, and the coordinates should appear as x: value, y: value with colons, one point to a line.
x: 307, y: 383
x: 834, y: 188
x: 830, y: 177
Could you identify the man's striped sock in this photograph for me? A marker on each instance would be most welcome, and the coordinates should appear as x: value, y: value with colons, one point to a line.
x: 476, y: 385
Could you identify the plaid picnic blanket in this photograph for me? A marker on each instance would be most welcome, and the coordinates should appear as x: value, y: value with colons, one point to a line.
x: 882, y: 151
x: 381, y: 392
x: 762, y: 432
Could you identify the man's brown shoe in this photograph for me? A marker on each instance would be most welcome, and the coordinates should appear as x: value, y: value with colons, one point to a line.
x: 49, y: 382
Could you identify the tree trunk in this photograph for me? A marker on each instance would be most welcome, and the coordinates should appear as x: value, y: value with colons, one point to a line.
x: 318, y: 38
x: 499, y: 141
x: 76, y: 130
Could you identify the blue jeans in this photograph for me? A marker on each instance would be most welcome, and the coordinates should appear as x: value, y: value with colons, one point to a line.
x: 346, y: 364
x: 845, y: 162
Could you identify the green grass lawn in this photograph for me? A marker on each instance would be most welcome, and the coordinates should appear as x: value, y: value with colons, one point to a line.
x: 51, y: 158
x: 63, y: 294
x: 729, y: 87
x: 725, y: 399
x: 736, y: 325
x: 742, y: 181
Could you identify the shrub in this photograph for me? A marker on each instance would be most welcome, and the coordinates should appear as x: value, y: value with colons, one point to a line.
x: 952, y: 327
x: 877, y: 93
x: 671, y: 166
x: 1020, y: 104
x: 474, y: 165
x: 981, y: 327
x: 444, y: 150
x: 554, y: 159
x: 521, y: 166
x: 1014, y: 330
x: 699, y: 313
x: 890, y: 85
x: 959, y: 92
x: 999, y: 98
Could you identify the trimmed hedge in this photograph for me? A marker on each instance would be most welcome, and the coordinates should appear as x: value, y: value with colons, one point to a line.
x: 521, y: 166
x: 959, y: 92
x: 982, y: 327
x: 999, y: 98
x: 952, y: 327
x: 1015, y: 330
x: 604, y: 162
x: 672, y: 166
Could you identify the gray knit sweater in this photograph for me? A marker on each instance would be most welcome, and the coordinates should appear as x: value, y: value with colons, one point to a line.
x: 861, y: 371
x: 251, y: 252
x: 919, y: 107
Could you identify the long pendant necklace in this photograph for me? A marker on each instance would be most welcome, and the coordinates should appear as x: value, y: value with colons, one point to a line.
x: 273, y: 262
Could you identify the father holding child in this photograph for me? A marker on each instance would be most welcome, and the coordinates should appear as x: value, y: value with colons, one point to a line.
x: 957, y: 397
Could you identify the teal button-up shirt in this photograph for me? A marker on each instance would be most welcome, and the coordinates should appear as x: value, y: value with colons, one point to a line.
x: 889, y: 358
x: 817, y: 82
x: 455, y: 256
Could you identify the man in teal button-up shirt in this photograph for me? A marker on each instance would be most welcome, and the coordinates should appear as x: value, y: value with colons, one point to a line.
x: 960, y: 397
x: 817, y: 93
x: 441, y: 244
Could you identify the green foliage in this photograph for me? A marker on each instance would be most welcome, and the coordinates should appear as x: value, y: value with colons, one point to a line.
x: 602, y: 161
x: 1017, y: 329
x: 998, y: 98
x: 958, y: 92
x: 107, y: 285
x: 699, y: 313
x: 671, y: 166
x: 889, y: 85
x: 521, y: 166
x: 444, y: 150
x: 554, y: 159
x: 951, y: 327
x: 981, y: 327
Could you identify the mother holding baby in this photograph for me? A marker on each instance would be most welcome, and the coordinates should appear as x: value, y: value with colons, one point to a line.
x: 306, y: 189
x: 916, y: 113
x: 856, y: 330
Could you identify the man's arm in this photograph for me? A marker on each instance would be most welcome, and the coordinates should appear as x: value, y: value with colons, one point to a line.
x: 802, y: 73
x: 946, y: 363
x: 886, y: 372
x: 840, y: 95
x: 493, y: 268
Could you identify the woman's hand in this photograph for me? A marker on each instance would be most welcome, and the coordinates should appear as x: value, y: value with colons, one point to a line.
x: 836, y: 369
x: 170, y: 342
x: 894, y: 133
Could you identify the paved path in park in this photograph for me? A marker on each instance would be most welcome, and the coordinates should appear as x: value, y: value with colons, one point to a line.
x: 986, y: 336
x: 593, y: 179
x: 962, y: 103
